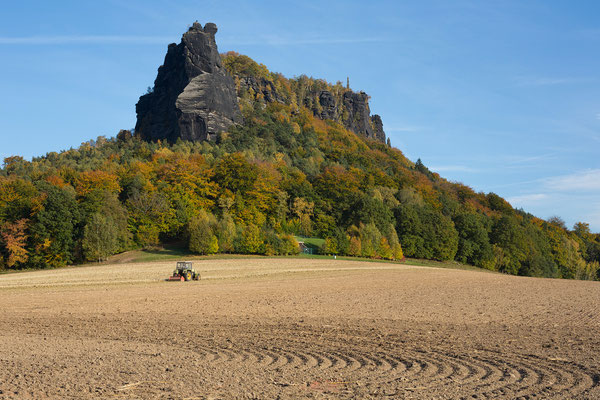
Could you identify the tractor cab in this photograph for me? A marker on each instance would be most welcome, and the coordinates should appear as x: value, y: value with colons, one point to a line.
x: 184, y: 271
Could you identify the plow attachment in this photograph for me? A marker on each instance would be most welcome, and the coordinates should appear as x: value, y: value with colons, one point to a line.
x: 176, y: 278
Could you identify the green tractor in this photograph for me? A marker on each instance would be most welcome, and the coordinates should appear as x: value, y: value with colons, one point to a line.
x: 184, y: 271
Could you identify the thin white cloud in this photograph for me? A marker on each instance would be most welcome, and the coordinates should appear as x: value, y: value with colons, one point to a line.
x: 273, y: 40
x: 519, y: 160
x: 548, y: 81
x: 407, y: 128
x: 453, y: 168
x: 598, y: 116
x: 83, y: 39
x: 594, y: 219
x: 582, y: 181
x: 527, y: 199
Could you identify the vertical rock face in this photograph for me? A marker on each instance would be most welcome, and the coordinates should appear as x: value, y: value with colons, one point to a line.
x: 377, y: 125
x: 327, y: 102
x: 193, y: 96
x: 357, y: 106
x: 353, y: 112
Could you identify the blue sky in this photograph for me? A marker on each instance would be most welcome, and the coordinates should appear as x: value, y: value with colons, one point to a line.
x: 500, y: 95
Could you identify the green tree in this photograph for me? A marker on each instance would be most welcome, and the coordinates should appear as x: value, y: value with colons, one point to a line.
x: 149, y: 215
x: 384, y: 250
x: 355, y: 246
x: 330, y: 246
x: 289, y: 245
x: 426, y: 233
x: 511, y: 251
x: 55, y: 228
x: 226, y: 232
x: 304, y: 211
x: 201, y: 237
x: 251, y: 240
x: 370, y: 239
x: 473, y: 242
x: 100, y: 238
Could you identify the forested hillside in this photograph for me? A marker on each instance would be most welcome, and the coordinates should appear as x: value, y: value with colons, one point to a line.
x: 283, y: 172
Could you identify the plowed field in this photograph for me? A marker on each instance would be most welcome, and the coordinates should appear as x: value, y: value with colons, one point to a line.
x: 296, y: 328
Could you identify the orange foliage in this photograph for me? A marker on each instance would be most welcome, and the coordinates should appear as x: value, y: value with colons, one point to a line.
x: 89, y: 181
x: 14, y: 238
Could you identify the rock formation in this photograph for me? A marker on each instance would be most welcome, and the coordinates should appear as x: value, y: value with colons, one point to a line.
x: 359, y: 119
x: 327, y: 102
x: 352, y: 110
x: 193, y: 96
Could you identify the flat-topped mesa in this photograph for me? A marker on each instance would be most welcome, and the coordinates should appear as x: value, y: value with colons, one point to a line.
x: 193, y: 96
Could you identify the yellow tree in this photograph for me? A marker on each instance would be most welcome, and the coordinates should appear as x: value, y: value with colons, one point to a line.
x: 304, y: 211
x: 14, y: 240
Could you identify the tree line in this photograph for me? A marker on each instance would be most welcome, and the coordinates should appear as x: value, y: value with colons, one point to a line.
x: 283, y: 172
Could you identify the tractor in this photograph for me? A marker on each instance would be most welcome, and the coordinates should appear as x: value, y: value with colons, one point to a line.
x: 184, y: 271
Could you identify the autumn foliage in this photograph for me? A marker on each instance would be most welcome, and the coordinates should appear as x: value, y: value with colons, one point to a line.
x: 282, y: 173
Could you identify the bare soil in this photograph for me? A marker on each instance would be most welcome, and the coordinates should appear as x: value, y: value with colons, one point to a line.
x: 296, y: 328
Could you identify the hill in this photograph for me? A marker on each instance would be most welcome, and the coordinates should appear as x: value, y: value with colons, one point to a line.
x: 296, y: 156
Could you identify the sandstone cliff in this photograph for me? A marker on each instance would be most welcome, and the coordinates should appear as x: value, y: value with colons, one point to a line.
x: 326, y: 101
x: 193, y: 96
x: 196, y: 94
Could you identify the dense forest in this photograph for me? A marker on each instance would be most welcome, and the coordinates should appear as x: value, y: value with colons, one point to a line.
x: 283, y: 172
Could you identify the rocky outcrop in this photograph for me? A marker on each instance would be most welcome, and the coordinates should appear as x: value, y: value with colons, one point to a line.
x: 357, y: 107
x: 329, y: 108
x: 261, y: 85
x: 377, y: 125
x: 193, y: 96
x: 352, y: 110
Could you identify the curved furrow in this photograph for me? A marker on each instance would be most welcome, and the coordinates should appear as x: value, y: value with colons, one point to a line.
x: 279, y: 360
x: 350, y: 363
x: 294, y: 360
x: 411, y: 368
x: 523, y: 378
x: 207, y: 354
x: 336, y: 362
x: 502, y: 378
x: 228, y: 355
x: 262, y: 356
x: 539, y: 377
x: 285, y: 358
x: 469, y: 371
x: 478, y: 371
x: 301, y: 359
x: 322, y: 362
x: 462, y: 372
x: 557, y: 381
x: 486, y: 374
x: 434, y: 371
x: 381, y: 364
x: 365, y: 365
x: 430, y: 367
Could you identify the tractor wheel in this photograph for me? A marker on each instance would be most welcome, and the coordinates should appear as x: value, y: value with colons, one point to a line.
x: 197, y: 277
x: 188, y: 276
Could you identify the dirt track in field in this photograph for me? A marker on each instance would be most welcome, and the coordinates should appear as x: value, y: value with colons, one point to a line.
x: 296, y: 328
